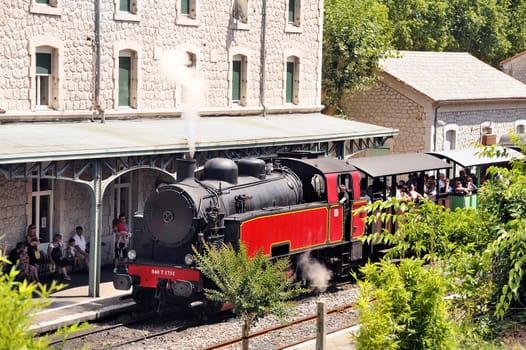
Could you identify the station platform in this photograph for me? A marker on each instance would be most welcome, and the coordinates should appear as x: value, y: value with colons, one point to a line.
x: 72, y: 304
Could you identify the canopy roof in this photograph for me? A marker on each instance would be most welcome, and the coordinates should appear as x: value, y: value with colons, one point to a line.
x: 51, y: 141
x: 395, y: 164
x: 471, y: 157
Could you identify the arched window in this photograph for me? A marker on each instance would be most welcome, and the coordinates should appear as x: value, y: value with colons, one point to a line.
x: 127, y: 79
x: 450, y: 141
x: 46, y: 82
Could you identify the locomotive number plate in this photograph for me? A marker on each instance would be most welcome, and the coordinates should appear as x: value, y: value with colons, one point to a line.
x: 164, y: 273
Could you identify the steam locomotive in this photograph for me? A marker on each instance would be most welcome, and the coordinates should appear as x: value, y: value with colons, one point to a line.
x: 288, y: 206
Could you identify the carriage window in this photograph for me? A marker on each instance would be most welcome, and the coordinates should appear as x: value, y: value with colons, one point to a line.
x: 318, y: 183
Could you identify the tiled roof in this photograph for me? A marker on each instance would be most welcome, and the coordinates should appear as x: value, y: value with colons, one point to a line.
x: 520, y: 54
x: 452, y: 76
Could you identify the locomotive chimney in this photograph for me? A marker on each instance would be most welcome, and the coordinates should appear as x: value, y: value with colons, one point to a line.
x: 185, y: 169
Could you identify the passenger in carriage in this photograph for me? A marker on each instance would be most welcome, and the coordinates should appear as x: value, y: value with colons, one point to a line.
x: 459, y: 189
x: 471, y: 187
x: 431, y: 191
x: 443, y: 184
x: 413, y: 194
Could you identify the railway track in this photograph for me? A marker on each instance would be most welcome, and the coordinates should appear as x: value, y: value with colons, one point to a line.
x: 284, y: 327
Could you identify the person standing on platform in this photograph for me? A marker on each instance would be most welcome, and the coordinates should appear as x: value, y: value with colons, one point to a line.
x: 32, y: 243
x: 122, y: 234
x: 80, y: 245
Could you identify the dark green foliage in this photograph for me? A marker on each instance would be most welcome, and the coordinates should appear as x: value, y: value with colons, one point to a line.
x: 356, y: 35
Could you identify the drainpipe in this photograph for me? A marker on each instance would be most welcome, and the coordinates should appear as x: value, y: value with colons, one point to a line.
x: 97, y: 59
x: 263, y: 56
x: 435, y: 122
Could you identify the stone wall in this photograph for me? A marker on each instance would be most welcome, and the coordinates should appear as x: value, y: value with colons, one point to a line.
x: 385, y: 106
x: 214, y: 36
x: 516, y: 68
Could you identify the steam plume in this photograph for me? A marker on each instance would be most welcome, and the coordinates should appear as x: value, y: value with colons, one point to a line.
x: 317, y: 274
x: 175, y: 66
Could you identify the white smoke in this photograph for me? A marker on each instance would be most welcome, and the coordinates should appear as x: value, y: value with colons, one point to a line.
x: 175, y: 66
x: 317, y: 274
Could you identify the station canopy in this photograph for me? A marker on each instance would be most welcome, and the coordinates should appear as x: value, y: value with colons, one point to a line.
x: 471, y: 156
x: 395, y: 164
x: 52, y: 141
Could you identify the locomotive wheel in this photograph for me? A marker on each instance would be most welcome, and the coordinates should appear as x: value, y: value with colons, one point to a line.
x: 207, y: 311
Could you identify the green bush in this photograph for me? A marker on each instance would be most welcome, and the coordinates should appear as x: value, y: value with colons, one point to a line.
x: 17, y: 306
x: 403, y: 307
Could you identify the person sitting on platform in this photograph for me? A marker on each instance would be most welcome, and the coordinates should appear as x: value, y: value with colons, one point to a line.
x: 80, y: 245
x: 54, y: 252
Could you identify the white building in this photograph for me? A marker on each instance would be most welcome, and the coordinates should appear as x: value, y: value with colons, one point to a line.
x: 68, y: 63
x: 441, y: 101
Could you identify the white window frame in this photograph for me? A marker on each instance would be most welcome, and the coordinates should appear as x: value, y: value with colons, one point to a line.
x: 35, y: 196
x: 52, y: 8
x: 133, y: 15
x: 46, y: 44
x: 295, y: 25
x: 190, y: 18
x: 123, y: 182
x: 240, y: 19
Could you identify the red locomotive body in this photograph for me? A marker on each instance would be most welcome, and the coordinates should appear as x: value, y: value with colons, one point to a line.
x: 286, y: 208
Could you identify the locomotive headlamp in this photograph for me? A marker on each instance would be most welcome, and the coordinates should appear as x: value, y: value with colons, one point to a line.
x: 132, y: 254
x: 188, y: 259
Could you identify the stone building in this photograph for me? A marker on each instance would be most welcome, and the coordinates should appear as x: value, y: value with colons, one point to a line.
x: 441, y: 101
x: 97, y: 97
x: 515, y: 66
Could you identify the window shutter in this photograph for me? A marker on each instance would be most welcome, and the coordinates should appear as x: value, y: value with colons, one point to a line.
x: 236, y: 80
x: 185, y: 7
x: 289, y: 88
x: 192, y: 12
x: 124, y: 5
x: 43, y: 63
x: 124, y: 81
x: 292, y: 10
x: 134, y: 7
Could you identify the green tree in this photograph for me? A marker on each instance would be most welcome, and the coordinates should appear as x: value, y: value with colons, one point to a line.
x: 516, y: 10
x: 255, y: 286
x: 480, y: 28
x: 420, y: 24
x: 356, y: 35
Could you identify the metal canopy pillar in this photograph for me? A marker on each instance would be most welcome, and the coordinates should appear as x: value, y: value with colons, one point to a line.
x: 96, y: 233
